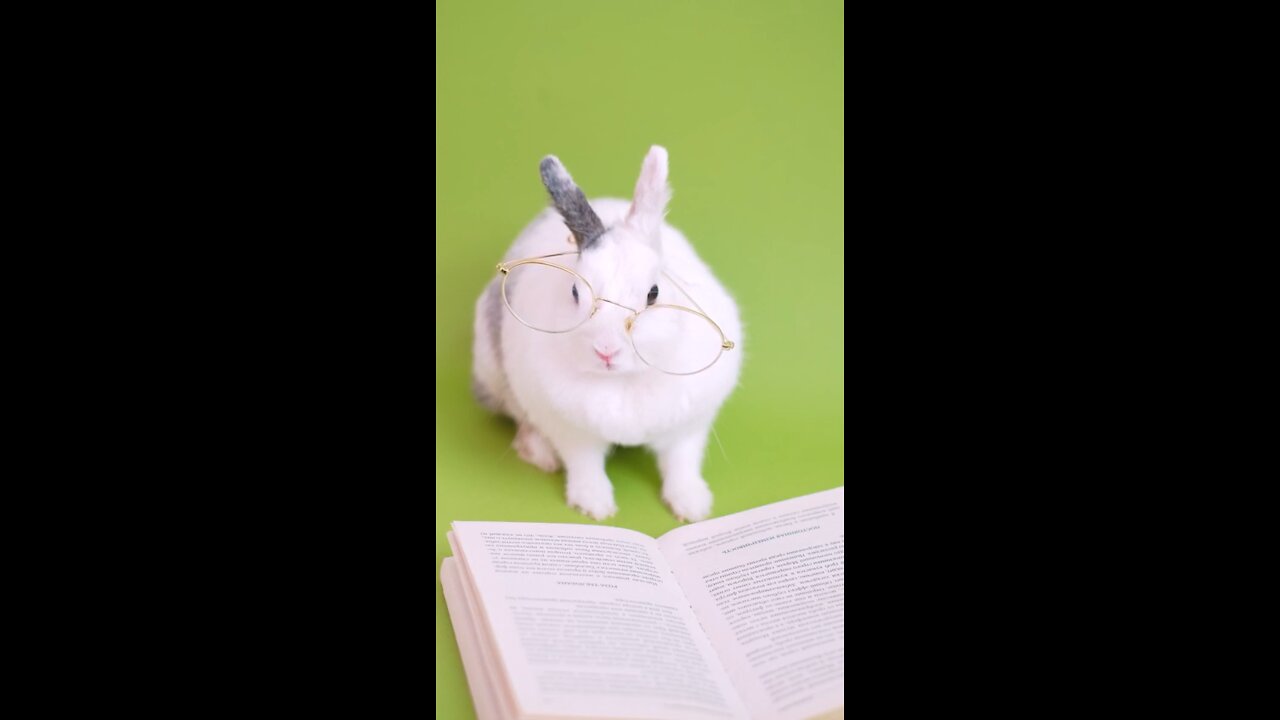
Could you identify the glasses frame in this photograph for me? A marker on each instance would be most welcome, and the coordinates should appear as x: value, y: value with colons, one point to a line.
x: 506, y: 267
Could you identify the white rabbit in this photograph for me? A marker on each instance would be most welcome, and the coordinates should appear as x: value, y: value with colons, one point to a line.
x: 575, y: 394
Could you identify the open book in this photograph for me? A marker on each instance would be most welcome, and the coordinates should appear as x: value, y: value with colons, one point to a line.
x: 740, y: 616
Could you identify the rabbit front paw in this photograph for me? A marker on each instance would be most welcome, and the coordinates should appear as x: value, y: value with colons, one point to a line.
x: 593, y: 496
x: 690, y: 499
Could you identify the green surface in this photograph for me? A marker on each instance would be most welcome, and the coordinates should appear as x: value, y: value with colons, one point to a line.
x: 748, y: 99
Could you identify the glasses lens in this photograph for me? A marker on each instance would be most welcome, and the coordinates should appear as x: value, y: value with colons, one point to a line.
x: 546, y: 298
x: 676, y: 341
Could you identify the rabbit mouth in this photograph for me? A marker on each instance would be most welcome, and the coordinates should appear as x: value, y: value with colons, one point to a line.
x: 610, y: 367
x: 608, y: 359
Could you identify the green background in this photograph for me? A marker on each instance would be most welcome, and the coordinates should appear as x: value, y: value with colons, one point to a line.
x: 748, y: 98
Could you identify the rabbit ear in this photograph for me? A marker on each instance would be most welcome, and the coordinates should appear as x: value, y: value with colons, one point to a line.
x: 652, y: 192
x: 572, y: 204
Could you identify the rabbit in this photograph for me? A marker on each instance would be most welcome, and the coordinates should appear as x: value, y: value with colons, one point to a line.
x: 577, y: 394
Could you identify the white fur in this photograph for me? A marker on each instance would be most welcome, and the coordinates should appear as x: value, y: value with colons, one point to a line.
x: 571, y: 407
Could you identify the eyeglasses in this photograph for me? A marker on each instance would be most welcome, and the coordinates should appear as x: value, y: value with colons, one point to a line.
x: 674, y: 339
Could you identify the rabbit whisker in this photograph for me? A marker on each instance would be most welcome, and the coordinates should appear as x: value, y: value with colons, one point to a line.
x: 716, y: 435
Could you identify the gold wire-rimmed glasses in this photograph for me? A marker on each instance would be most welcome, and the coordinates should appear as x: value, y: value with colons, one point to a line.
x: 673, y: 339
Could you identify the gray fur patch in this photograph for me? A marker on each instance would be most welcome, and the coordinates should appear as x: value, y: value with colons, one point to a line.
x: 490, y: 386
x: 571, y: 202
x: 494, y: 309
x: 483, y: 396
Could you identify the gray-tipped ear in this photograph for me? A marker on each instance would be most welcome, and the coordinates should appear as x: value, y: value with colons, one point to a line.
x: 572, y: 204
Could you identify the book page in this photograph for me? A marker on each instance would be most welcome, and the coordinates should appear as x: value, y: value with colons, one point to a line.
x: 588, y: 622
x: 475, y: 661
x: 768, y: 586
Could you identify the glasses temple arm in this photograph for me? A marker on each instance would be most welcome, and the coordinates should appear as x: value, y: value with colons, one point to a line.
x: 686, y: 292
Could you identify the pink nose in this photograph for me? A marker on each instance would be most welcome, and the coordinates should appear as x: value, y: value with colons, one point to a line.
x: 605, y: 357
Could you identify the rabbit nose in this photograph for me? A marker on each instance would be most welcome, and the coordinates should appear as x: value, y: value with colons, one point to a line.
x: 606, y: 354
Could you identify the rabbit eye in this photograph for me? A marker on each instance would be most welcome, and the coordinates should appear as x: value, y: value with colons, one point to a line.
x: 575, y: 292
x: 653, y: 294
